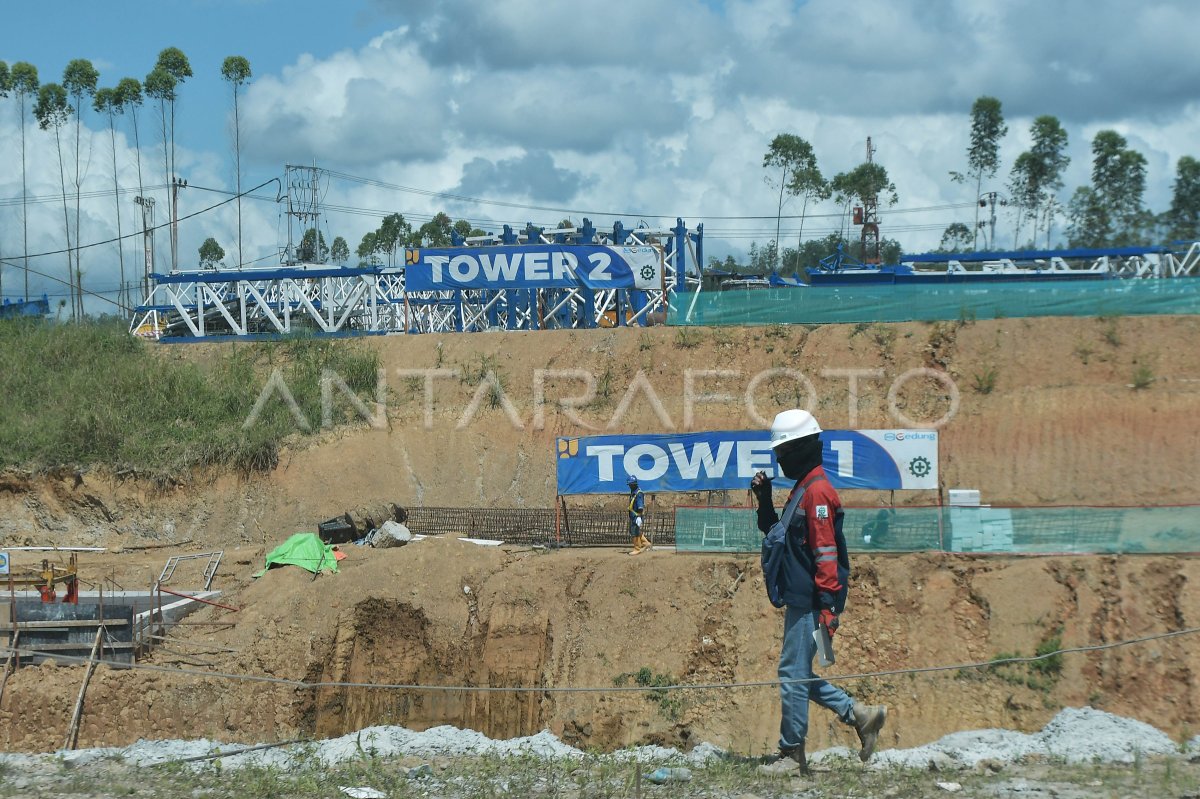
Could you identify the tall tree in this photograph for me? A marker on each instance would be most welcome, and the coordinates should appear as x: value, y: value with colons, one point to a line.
x: 129, y: 96
x: 983, y: 153
x: 313, y: 249
x: 368, y: 249
x: 160, y: 86
x: 211, y: 253
x: 435, y: 232
x: 5, y: 85
x: 107, y: 102
x: 956, y: 238
x: 79, y: 79
x: 339, y: 251
x: 796, y: 175
x: 1183, y: 219
x: 174, y: 63
x: 236, y: 71
x: 52, y: 111
x: 24, y: 79
x: 1112, y: 214
x: 1036, y: 177
x: 394, y: 232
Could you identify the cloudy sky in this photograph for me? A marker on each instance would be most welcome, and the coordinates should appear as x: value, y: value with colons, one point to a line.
x: 529, y: 110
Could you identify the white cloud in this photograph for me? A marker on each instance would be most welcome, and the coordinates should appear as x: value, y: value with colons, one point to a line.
x: 664, y: 107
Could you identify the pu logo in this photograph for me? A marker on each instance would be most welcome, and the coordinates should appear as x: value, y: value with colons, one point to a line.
x: 412, y: 257
x: 568, y: 447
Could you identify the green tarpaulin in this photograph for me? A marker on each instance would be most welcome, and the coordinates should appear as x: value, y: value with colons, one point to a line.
x: 305, y: 550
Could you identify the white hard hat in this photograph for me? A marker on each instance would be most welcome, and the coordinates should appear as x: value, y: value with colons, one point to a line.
x: 793, y: 424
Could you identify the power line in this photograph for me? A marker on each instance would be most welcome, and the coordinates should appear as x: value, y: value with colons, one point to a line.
x: 620, y: 214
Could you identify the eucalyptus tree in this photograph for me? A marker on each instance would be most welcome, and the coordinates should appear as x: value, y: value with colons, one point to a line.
x: 339, y: 251
x: 1110, y: 211
x: 1036, y: 177
x: 107, y: 103
x: 236, y: 71
x: 1183, y: 218
x: 160, y: 85
x: 211, y: 254
x: 799, y: 176
x: 129, y: 97
x: 393, y: 233
x: 173, y: 62
x: 79, y: 79
x: 5, y: 80
x: 983, y: 153
x: 23, y: 78
x: 52, y: 112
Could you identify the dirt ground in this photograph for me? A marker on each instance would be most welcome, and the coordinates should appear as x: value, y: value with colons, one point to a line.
x: 1047, y: 413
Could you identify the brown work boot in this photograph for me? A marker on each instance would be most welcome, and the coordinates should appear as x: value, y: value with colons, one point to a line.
x: 867, y: 720
x: 791, y: 760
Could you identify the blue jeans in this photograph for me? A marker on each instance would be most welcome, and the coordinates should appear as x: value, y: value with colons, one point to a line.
x: 796, y: 663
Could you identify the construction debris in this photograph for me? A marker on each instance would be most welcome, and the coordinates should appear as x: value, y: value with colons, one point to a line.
x: 390, y: 534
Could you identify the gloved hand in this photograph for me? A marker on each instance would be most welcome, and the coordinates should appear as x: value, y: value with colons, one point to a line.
x: 760, y: 484
x: 830, y: 620
x: 637, y: 520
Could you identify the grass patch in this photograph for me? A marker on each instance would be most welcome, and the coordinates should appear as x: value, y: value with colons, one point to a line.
x: 1143, y: 376
x: 687, y: 338
x: 669, y: 702
x: 985, y: 381
x: 92, y: 395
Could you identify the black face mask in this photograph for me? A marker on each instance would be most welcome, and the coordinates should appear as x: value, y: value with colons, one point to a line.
x: 798, y: 458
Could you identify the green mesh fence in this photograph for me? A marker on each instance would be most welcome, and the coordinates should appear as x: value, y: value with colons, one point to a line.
x: 1164, y: 530
x: 906, y: 303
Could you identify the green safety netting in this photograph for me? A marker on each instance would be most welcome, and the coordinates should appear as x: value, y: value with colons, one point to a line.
x: 1162, y: 530
x: 305, y: 550
x: 943, y: 302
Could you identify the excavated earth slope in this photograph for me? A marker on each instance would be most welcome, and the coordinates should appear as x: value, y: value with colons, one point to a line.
x: 1044, y: 411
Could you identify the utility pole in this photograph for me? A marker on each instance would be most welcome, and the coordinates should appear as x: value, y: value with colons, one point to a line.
x: 176, y: 185
x: 147, y: 204
x: 989, y: 200
x: 303, y: 205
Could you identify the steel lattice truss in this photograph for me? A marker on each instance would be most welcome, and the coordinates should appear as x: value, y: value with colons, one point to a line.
x: 320, y: 299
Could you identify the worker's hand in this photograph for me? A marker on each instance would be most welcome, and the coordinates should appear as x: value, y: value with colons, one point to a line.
x: 760, y: 484
x: 830, y: 620
x: 637, y: 520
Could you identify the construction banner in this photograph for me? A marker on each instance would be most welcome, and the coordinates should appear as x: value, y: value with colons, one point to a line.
x: 727, y: 459
x: 533, y: 266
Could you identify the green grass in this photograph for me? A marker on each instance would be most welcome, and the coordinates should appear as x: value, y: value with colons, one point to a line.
x: 79, y: 396
x: 595, y: 776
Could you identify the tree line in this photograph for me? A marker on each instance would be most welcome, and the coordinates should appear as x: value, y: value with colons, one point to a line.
x: 1108, y: 212
x: 53, y: 106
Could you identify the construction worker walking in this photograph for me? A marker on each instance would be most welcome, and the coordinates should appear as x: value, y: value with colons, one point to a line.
x: 637, y: 510
x: 806, y: 569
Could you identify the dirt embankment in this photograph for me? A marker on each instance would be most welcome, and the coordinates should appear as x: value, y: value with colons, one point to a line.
x: 1042, y: 411
x: 1046, y: 413
x: 446, y: 612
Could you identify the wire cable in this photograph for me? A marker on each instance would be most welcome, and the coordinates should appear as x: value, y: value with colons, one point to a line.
x: 550, y: 689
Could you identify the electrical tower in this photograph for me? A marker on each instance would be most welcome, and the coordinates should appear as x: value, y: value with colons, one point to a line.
x: 870, y: 219
x: 304, y: 210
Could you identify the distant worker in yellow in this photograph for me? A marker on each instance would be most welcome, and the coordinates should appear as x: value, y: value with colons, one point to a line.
x: 637, y: 509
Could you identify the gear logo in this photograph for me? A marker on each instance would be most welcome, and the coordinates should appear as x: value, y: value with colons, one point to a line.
x: 920, y: 466
x: 648, y: 272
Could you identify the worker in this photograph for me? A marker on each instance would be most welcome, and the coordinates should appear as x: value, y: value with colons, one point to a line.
x: 637, y: 509
x: 811, y: 583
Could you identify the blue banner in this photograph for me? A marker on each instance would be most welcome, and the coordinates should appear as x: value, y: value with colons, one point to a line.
x: 727, y: 459
x: 533, y: 266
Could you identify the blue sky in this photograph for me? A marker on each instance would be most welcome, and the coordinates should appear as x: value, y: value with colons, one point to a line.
x: 648, y: 109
